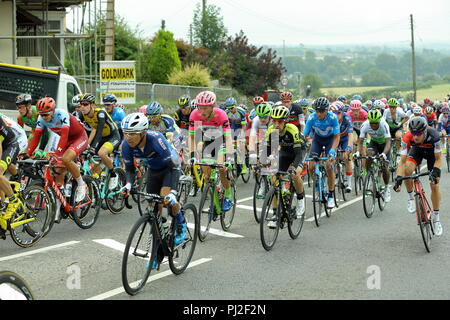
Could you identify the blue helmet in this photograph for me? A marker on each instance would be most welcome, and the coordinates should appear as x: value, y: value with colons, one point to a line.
x: 154, y: 109
x: 357, y: 97
x: 109, y: 98
x: 401, y: 101
x: 304, y: 103
x: 230, y: 102
x: 342, y: 98
x: 252, y: 114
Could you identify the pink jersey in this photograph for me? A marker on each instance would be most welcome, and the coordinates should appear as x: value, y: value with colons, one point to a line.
x: 358, y: 121
x: 219, y: 125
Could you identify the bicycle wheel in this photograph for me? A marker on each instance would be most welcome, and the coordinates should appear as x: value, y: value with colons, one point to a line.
x: 269, y: 234
x: 246, y: 176
x: 369, y: 195
x: 205, y: 211
x: 424, y: 223
x: 138, y: 255
x: 86, y: 216
x: 380, y: 191
x: 14, y: 287
x: 447, y: 158
x: 182, y: 254
x: 295, y: 224
x: 356, y: 173
x: 261, y: 187
x: 37, y: 206
x: 116, y: 203
x: 318, y: 204
x: 142, y: 187
x: 226, y: 218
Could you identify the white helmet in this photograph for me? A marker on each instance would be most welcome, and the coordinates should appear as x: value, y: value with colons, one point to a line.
x: 417, y: 110
x: 379, y: 104
x: 135, y: 122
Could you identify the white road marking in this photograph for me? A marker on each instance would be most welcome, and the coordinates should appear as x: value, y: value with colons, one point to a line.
x: 120, y: 290
x: 347, y: 203
x: 29, y: 253
x: 244, y: 199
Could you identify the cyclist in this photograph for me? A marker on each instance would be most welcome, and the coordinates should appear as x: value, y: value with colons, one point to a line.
x: 369, y: 105
x: 290, y: 153
x: 257, y: 100
x: 421, y: 142
x: 115, y: 111
x: 212, y: 126
x: 343, y: 99
x: 28, y: 116
x: 305, y: 105
x: 104, y: 136
x: 345, y: 141
x: 72, y: 142
x: 181, y: 116
x: 325, y: 126
x: 21, y: 139
x: 237, y: 117
x: 380, y: 143
x: 444, y: 126
x: 396, y: 119
x: 358, y: 117
x: 161, y: 159
x: 380, y: 105
x: 431, y: 116
x: 259, y: 126
x: 163, y: 123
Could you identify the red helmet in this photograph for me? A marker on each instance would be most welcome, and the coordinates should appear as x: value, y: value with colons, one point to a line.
x: 426, y: 101
x: 45, y: 105
x: 286, y: 96
x: 257, y: 100
x: 206, y: 98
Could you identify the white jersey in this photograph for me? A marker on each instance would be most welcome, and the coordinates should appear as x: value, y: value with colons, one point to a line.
x: 19, y: 132
x: 399, y: 116
x: 258, y: 129
x: 379, y: 136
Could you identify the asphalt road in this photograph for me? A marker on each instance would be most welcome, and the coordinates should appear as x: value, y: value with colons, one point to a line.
x: 347, y: 257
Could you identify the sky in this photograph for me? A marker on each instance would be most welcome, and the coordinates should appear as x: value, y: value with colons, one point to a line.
x: 295, y: 22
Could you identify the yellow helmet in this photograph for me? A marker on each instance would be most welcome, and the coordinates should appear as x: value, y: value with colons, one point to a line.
x: 280, y: 112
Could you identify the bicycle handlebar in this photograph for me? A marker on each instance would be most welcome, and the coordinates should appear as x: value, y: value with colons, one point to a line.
x: 414, y: 177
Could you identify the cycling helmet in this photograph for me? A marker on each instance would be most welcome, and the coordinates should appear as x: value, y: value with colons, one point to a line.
x: 193, y: 104
x: 243, y: 106
x: 445, y: 109
x: 45, y: 105
x: 76, y: 100
x: 109, y: 98
x: 342, y: 98
x: 154, y: 109
x: 24, y: 98
x: 252, y: 115
x: 263, y: 110
x: 417, y: 110
x: 280, y: 112
x: 230, y: 102
x: 257, y: 100
x: 135, y: 122
x: 357, y: 97
x: 392, y: 102
x: 426, y: 101
x: 321, y: 104
x: 303, y: 103
x: 206, y: 98
x: 378, y: 104
x: 355, y: 105
x: 369, y: 103
x: 286, y: 96
x: 401, y: 101
x: 183, y: 101
x: 87, y: 97
x: 336, y: 107
x: 417, y: 124
x: 374, y: 116
x: 143, y: 109
x: 429, y: 110
x: 345, y: 107
x: 384, y: 100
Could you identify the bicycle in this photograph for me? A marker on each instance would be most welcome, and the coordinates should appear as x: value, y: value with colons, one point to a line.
x: 33, y: 218
x: 150, y: 239
x: 195, y: 172
x: 14, y: 287
x: 283, y: 192
x: 373, y: 186
x: 79, y: 212
x: 214, y: 193
x: 114, y: 201
x: 259, y: 191
x: 447, y: 153
x: 423, y: 210
x: 320, y: 195
x: 340, y: 177
x: 395, y: 157
x: 238, y: 166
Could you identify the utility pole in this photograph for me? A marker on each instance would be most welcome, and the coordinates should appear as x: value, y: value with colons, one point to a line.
x: 413, y: 59
x: 163, y: 24
x: 109, y: 31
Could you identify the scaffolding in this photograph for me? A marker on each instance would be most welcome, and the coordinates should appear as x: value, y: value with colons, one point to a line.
x: 33, y: 35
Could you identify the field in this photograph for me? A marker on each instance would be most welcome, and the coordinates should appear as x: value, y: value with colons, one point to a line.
x: 436, y: 92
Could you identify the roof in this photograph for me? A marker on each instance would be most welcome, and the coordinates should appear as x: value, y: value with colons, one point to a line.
x: 52, y: 4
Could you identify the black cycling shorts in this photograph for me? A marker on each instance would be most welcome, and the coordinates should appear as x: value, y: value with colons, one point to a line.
x: 416, y: 155
x: 111, y: 142
x: 378, y: 148
x: 167, y: 177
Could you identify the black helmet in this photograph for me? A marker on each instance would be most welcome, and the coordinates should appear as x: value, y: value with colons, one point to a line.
x: 24, y: 98
x: 418, y: 124
x: 87, y: 97
x: 321, y: 104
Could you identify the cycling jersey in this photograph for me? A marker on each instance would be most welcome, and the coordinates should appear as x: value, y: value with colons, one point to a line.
x: 217, y: 126
x: 168, y: 127
x: 20, y: 134
x: 7, y: 134
x: 101, y: 121
x: 117, y: 116
x: 258, y: 130
x: 378, y: 136
x: 290, y: 143
x: 425, y: 150
x: 431, y: 119
x: 296, y: 116
x: 357, y: 121
x: 31, y: 122
x: 443, y: 122
x: 69, y: 129
x: 237, y: 119
x: 399, y: 116
x: 182, y: 120
x: 325, y: 128
x: 346, y: 126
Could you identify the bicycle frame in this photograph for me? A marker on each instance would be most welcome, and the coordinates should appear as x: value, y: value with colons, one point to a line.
x: 418, y: 189
x: 103, y: 192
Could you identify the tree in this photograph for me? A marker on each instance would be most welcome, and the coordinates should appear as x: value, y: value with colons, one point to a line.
x: 376, y: 77
x: 162, y: 57
x: 192, y: 75
x: 208, y: 28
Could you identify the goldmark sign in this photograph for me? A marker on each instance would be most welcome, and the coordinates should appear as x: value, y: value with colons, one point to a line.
x: 119, y: 78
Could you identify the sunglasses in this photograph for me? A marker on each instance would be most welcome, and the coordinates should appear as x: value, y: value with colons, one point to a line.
x: 45, y: 114
x: 84, y: 104
x: 20, y: 106
x: 392, y: 107
x: 416, y: 134
x: 278, y: 120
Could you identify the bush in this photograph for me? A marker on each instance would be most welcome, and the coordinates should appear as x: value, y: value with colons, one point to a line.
x: 193, y: 75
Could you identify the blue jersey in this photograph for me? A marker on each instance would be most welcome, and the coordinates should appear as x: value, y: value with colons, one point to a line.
x: 157, y: 152
x: 117, y: 116
x: 346, y: 126
x: 237, y: 119
x: 325, y: 128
